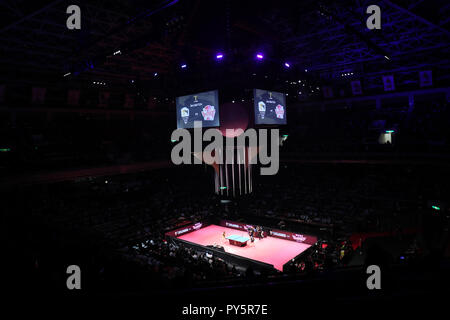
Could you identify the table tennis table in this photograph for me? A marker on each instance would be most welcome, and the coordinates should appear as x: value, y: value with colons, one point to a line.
x: 239, y: 241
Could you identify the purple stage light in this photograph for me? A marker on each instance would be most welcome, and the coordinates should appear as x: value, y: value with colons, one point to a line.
x: 183, y: 66
x: 287, y: 65
x: 259, y: 56
x: 219, y: 56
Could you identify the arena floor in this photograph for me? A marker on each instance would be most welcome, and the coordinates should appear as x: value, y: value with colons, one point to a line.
x: 269, y: 250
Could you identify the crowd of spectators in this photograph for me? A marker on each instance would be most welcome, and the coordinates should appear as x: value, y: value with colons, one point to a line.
x: 131, y: 213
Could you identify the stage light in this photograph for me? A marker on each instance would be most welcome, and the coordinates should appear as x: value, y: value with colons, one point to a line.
x: 306, y: 70
x: 219, y: 56
x: 223, y: 188
x: 67, y: 74
x: 5, y: 150
x: 387, y: 58
x: 390, y: 131
x: 287, y: 65
x: 436, y: 208
x: 259, y: 56
x: 155, y: 74
x: 183, y: 66
x: 117, y: 52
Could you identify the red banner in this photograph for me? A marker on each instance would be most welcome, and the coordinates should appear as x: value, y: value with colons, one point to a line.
x: 129, y: 101
x: 73, y: 97
x: 103, y: 99
x: 327, y: 92
x: 38, y: 95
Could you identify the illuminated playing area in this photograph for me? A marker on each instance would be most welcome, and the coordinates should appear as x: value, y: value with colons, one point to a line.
x: 269, y: 250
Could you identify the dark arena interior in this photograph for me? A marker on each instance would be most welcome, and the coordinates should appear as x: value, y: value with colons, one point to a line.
x: 226, y: 159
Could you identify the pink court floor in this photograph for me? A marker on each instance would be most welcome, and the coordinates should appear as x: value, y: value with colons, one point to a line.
x: 269, y: 250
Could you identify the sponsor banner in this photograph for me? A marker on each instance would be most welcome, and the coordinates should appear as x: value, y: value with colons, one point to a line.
x: 186, y: 229
x: 297, y: 237
x: 236, y: 225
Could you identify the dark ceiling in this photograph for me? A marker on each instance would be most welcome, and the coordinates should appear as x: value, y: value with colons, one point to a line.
x: 320, y: 39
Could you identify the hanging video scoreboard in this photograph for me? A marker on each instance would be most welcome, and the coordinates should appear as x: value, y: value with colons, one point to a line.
x: 203, y: 106
x: 269, y: 107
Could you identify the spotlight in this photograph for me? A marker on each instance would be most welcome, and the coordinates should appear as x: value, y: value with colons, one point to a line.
x: 259, y: 56
x: 387, y: 58
x: 219, y: 56
x: 287, y: 65
x: 183, y: 66
x: 67, y: 74
x: 155, y: 74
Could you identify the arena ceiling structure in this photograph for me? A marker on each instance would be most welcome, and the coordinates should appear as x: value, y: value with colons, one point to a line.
x: 151, y: 41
